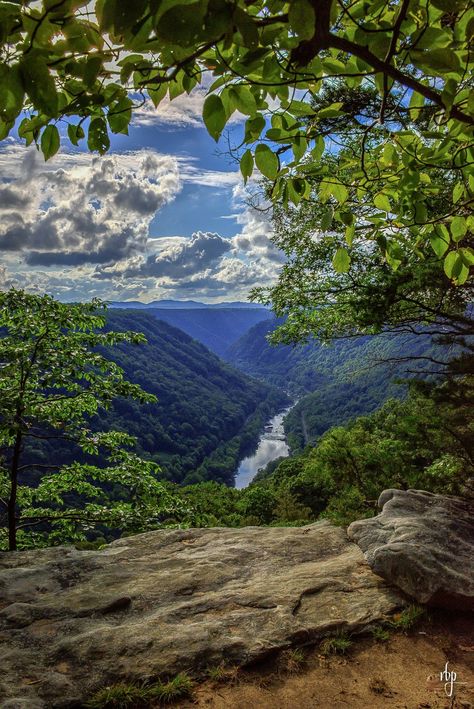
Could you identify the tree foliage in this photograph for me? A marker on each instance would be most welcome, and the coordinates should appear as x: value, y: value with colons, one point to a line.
x: 387, y: 282
x: 89, y: 64
x: 52, y: 381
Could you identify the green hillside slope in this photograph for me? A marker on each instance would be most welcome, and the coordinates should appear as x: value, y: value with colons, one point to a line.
x: 208, y: 414
x: 333, y: 382
x: 216, y: 328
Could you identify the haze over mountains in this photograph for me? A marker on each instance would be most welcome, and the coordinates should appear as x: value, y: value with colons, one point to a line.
x: 186, y: 304
x: 217, y: 326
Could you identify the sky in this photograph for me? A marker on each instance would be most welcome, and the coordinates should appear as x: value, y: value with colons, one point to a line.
x: 163, y: 215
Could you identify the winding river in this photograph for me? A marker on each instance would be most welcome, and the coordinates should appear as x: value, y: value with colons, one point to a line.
x: 272, y: 444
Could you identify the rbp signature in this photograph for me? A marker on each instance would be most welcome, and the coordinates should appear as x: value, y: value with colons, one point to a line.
x: 449, y: 679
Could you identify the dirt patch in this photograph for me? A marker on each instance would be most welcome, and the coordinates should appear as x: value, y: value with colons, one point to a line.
x: 403, y: 673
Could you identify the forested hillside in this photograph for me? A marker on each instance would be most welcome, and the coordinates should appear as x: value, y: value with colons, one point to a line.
x: 350, y: 377
x: 216, y: 328
x: 207, y: 415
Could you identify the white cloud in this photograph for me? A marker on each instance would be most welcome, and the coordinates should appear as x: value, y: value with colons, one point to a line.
x: 91, y: 210
x: 185, y: 110
x: 78, y: 227
x: 182, y: 112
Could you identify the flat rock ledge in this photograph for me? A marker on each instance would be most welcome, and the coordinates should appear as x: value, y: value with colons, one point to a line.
x: 161, y: 602
x: 424, y: 544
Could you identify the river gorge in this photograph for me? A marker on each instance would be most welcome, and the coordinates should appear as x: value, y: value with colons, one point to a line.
x: 272, y: 444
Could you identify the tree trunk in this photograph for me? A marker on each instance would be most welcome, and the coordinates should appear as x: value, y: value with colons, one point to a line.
x: 13, y: 492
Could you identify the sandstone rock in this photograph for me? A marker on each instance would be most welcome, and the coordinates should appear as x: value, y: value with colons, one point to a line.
x: 157, y: 603
x: 424, y: 544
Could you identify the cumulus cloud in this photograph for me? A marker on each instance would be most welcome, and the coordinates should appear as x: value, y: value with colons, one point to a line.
x: 79, y: 227
x: 179, y: 258
x: 97, y: 210
x: 254, y: 238
x: 183, y: 111
x: 207, y: 264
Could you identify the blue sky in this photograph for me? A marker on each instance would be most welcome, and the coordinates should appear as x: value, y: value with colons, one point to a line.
x: 164, y: 215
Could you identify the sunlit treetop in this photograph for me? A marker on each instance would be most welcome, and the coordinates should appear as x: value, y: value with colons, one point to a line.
x: 89, y: 64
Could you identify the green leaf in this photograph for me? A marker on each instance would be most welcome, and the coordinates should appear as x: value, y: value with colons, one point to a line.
x: 382, y: 202
x: 98, y: 137
x: 119, y: 115
x: 394, y: 255
x: 467, y: 255
x: 326, y: 219
x: 246, y: 165
x: 253, y: 128
x: 341, y: 260
x: 75, y: 133
x: 299, y: 147
x: 11, y: 92
x: 214, y: 116
x: 330, y: 111
x: 463, y: 274
x: 39, y: 84
x: 453, y: 264
x: 333, y: 66
x: 50, y: 141
x: 127, y: 13
x: 243, y: 99
x: 417, y: 101
x: 436, y: 61
x: 458, y: 192
x: 302, y: 18
x: 439, y: 245
x: 182, y: 25
x: 157, y: 92
x: 338, y: 191
x: 247, y: 28
x: 266, y: 161
x: 458, y: 228
x: 349, y: 235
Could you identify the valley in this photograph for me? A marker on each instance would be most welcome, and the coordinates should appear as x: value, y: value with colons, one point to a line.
x: 242, y: 427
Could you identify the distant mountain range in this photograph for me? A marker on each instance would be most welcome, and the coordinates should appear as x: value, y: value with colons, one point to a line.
x: 183, y: 304
x: 216, y: 326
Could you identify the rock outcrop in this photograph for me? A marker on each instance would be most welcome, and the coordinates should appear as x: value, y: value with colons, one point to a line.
x: 157, y: 603
x: 424, y: 544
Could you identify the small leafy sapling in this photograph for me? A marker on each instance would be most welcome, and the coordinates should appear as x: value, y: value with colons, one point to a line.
x: 54, y: 377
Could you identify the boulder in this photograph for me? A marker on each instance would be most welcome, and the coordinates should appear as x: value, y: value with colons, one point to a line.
x: 424, y: 544
x: 154, y: 604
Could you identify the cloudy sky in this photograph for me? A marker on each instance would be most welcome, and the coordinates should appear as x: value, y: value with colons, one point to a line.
x: 163, y: 215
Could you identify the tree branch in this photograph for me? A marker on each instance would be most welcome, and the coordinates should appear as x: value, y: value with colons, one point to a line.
x: 357, y: 50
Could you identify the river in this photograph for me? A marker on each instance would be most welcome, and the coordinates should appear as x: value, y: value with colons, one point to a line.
x: 272, y: 444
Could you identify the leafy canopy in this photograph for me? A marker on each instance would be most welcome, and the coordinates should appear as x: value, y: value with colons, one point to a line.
x: 355, y: 270
x: 53, y: 379
x: 91, y: 63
